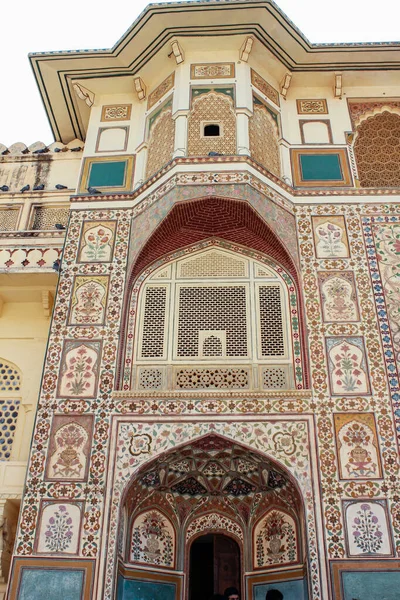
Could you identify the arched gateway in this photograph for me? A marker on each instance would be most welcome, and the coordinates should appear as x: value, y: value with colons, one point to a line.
x: 207, y: 515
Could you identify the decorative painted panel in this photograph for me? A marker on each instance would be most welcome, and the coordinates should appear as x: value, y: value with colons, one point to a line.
x: 116, y: 112
x: 312, y: 107
x: 275, y: 540
x: 357, y: 445
x: 264, y: 133
x: 348, y: 372
x: 161, y: 90
x: 107, y: 174
x: 212, y: 71
x: 79, y: 369
x: 59, y: 528
x: 69, y: 449
x: 338, y: 295
x: 89, y: 299
x: 213, y: 522
x: 97, y: 241
x: 161, y: 141
x: 153, y: 540
x: 330, y: 237
x: 263, y: 86
x: 367, y: 528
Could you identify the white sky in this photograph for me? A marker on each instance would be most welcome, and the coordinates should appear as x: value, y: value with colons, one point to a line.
x: 33, y: 26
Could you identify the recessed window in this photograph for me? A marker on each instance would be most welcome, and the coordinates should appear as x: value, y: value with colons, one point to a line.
x: 212, y: 130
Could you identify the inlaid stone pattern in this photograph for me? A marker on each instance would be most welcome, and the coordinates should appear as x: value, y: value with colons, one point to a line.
x: 263, y: 132
x: 312, y: 107
x: 45, y: 217
x: 161, y: 142
x: 212, y: 71
x: 215, y: 108
x: 161, y: 90
x: 266, y: 88
x: 377, y: 151
x: 9, y: 219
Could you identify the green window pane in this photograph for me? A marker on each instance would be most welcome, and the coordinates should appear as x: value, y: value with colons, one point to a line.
x: 107, y: 174
x: 320, y: 167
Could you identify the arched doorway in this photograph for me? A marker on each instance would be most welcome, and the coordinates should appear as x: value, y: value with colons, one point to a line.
x: 214, y: 565
x: 213, y: 503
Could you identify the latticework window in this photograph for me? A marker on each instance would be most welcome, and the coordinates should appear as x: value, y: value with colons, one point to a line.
x: 10, y: 385
x: 215, y: 313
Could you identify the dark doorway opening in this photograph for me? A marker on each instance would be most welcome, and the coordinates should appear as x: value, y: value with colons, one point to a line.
x: 211, y: 130
x: 214, y: 566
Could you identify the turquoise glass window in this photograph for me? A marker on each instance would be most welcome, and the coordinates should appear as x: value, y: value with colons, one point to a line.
x: 107, y: 174
x: 320, y: 167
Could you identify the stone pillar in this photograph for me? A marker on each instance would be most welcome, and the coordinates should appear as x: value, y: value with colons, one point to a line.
x: 242, y: 131
x: 181, y: 132
x: 285, y: 161
x: 140, y: 165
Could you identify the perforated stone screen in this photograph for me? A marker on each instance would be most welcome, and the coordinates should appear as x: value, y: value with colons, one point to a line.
x: 10, y: 379
x: 214, y: 308
x: 219, y: 308
x: 8, y: 419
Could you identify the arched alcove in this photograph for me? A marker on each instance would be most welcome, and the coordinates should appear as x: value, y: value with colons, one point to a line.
x: 206, y: 487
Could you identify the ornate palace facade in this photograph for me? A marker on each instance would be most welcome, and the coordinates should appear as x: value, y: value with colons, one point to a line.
x: 207, y: 262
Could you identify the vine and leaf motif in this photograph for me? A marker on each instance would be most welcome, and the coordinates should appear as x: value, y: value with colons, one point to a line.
x: 367, y: 533
x: 59, y: 531
x: 276, y: 541
x: 152, y: 541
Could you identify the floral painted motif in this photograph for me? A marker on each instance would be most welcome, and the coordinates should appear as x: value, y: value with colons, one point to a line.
x: 69, y: 459
x: 88, y: 300
x: 367, y: 528
x: 275, y: 540
x: 339, y: 300
x: 97, y: 241
x: 330, y: 237
x: 153, y: 540
x: 59, y: 530
x: 357, y: 446
x: 347, y: 366
x: 79, y: 369
x: 140, y: 444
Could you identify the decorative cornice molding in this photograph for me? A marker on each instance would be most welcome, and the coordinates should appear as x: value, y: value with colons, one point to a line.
x: 284, y: 394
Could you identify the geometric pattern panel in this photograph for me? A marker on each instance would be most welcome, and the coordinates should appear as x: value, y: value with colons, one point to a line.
x: 216, y: 108
x: 9, y: 219
x: 377, y: 151
x: 271, y: 324
x: 263, y: 132
x: 46, y: 217
x: 161, y: 142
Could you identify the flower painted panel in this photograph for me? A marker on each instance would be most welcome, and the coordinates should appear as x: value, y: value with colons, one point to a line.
x: 338, y: 296
x: 69, y: 449
x: 367, y: 529
x: 89, y: 299
x: 59, y: 528
x: 330, y: 237
x: 79, y: 369
x: 387, y: 240
x: 153, y: 540
x: 275, y: 540
x: 348, y: 371
x: 357, y: 446
x: 97, y: 241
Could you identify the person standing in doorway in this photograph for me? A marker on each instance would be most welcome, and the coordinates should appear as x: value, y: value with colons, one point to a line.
x: 231, y: 593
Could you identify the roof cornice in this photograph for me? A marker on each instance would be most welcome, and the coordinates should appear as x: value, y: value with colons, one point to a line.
x: 55, y: 72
